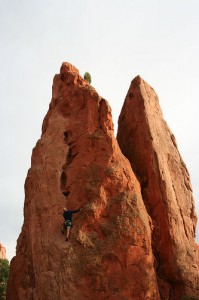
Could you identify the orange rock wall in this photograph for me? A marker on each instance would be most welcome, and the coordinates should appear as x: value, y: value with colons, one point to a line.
x: 151, y: 148
x: 2, y: 252
x: 109, y: 253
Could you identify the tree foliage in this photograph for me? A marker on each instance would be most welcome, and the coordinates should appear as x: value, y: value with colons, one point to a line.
x: 87, y: 77
x: 4, y: 271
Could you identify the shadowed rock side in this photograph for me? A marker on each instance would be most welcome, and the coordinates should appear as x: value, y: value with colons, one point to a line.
x: 108, y: 255
x: 147, y: 142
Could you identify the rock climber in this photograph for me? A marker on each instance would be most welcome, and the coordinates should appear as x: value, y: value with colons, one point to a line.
x: 67, y: 225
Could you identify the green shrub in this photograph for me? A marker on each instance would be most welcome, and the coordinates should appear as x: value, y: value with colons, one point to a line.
x: 4, y: 271
x: 87, y: 77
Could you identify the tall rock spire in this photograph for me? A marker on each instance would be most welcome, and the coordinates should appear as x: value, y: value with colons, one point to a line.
x: 109, y: 254
x: 151, y: 148
x: 2, y: 252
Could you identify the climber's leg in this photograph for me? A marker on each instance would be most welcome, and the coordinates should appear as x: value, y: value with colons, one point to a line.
x: 67, y: 233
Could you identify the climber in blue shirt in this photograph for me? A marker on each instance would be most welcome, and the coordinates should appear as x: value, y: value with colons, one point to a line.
x: 67, y: 225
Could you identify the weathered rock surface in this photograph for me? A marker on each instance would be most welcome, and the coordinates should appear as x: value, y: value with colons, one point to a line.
x: 2, y: 251
x: 109, y: 254
x: 151, y: 148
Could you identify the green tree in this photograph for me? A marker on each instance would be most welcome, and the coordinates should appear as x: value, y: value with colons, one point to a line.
x: 4, y: 271
x: 87, y: 77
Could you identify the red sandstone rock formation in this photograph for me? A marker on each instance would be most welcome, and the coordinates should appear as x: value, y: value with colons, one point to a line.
x: 109, y: 254
x: 2, y: 252
x: 147, y: 142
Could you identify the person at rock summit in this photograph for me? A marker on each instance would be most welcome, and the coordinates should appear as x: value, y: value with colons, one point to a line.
x: 67, y: 214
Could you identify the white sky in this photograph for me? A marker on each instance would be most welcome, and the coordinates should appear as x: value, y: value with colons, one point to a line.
x: 114, y: 40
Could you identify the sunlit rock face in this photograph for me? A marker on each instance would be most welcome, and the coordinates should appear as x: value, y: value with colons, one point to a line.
x: 109, y: 253
x: 151, y: 148
x: 2, y: 252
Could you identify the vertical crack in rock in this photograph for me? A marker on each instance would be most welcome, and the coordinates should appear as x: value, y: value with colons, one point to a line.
x: 71, y: 154
x: 151, y: 148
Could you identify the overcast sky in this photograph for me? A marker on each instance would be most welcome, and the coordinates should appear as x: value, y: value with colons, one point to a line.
x: 114, y: 40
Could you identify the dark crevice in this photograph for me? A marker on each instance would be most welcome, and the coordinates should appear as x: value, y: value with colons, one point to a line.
x: 131, y: 95
x: 100, y: 113
x: 144, y: 183
x: 63, y: 180
x: 71, y: 155
x: 62, y: 77
x: 65, y: 136
x: 66, y: 194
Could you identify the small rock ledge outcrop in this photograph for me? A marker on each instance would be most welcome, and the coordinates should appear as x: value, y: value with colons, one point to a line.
x: 134, y: 237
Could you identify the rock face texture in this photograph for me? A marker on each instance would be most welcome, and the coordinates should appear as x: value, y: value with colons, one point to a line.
x: 151, y: 148
x: 109, y: 253
x: 2, y: 252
